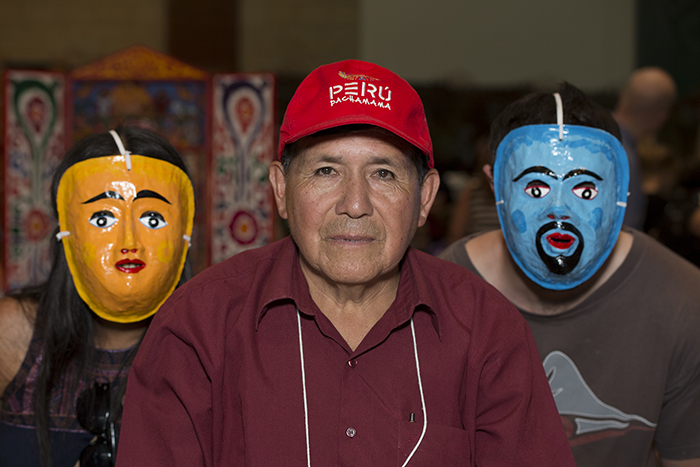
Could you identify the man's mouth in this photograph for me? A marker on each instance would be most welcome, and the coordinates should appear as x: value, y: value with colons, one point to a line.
x: 130, y: 266
x: 351, y: 239
x: 560, y: 240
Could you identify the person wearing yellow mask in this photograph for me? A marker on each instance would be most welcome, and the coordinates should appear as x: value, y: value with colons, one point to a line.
x: 125, y: 206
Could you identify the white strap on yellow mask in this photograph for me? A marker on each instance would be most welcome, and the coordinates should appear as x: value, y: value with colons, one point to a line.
x: 122, y: 149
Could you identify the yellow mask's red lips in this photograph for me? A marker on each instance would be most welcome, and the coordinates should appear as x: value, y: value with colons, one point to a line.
x: 130, y: 266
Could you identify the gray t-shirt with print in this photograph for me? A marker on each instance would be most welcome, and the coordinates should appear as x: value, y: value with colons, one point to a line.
x: 624, y: 365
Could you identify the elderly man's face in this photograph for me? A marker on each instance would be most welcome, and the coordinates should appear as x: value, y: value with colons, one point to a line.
x: 353, y: 202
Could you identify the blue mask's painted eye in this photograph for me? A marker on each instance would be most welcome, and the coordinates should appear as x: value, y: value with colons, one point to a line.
x: 152, y: 220
x: 537, y: 189
x: 586, y: 191
x: 102, y: 219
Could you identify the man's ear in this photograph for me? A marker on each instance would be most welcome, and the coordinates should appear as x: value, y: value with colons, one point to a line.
x: 488, y: 171
x: 279, y: 187
x: 428, y: 192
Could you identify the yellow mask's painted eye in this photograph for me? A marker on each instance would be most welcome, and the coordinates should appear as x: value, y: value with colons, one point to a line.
x: 152, y: 220
x: 102, y: 219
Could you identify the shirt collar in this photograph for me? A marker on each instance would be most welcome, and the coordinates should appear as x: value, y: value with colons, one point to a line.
x: 287, y: 284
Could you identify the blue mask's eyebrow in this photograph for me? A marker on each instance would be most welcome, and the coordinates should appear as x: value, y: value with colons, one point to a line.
x: 105, y: 195
x: 150, y: 194
x: 576, y: 172
x: 537, y: 169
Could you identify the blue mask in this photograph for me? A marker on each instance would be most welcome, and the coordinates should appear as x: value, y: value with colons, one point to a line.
x: 560, y: 201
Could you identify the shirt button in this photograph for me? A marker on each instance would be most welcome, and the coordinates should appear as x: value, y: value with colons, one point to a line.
x: 352, y: 363
x: 350, y: 432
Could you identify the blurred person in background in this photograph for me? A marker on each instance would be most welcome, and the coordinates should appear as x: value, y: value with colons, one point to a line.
x: 642, y: 109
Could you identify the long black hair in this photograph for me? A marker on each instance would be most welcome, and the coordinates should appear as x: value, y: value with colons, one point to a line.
x: 63, y: 319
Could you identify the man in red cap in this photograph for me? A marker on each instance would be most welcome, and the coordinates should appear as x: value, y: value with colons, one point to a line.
x: 340, y: 345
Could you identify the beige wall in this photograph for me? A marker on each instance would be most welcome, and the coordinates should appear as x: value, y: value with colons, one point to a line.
x: 294, y: 37
x: 69, y: 33
x: 501, y: 42
x: 482, y: 43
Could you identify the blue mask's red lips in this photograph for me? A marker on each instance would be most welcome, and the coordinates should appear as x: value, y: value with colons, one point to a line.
x: 560, y: 241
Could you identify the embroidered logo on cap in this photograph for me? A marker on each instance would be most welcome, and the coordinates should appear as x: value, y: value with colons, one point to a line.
x: 360, y: 91
x: 342, y: 74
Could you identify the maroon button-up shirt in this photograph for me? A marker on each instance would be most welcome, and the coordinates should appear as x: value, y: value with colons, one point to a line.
x: 218, y: 378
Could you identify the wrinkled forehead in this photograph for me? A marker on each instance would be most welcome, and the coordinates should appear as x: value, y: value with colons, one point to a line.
x: 579, y: 148
x: 93, y: 176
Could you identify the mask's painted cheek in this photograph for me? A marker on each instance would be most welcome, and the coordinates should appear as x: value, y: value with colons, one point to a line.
x: 518, y: 220
x: 595, y: 218
x: 88, y: 253
x: 165, y: 251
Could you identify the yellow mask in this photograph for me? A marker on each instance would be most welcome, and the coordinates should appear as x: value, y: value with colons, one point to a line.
x: 125, y: 232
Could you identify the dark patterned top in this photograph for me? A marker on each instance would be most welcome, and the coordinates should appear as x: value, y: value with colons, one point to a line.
x: 18, y: 442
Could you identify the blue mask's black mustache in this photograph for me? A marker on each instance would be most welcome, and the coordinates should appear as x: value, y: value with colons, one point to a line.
x: 561, y: 264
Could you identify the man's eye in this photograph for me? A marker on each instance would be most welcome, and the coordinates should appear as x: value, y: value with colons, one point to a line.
x: 537, y: 189
x: 102, y: 219
x: 585, y: 191
x: 153, y: 220
x: 384, y: 173
x: 325, y: 171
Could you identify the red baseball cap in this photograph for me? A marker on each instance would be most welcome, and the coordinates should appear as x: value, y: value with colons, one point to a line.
x: 351, y: 92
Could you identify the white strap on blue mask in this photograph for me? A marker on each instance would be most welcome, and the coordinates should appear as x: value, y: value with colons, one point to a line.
x: 560, y: 115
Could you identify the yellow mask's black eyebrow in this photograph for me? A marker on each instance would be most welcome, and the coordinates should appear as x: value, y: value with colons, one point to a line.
x: 150, y: 194
x: 105, y: 195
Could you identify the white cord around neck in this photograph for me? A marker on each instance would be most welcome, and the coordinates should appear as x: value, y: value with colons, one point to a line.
x: 303, y: 383
x: 422, y: 397
x: 306, y: 406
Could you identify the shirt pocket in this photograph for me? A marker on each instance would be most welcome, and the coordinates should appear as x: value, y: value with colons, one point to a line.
x: 441, y: 446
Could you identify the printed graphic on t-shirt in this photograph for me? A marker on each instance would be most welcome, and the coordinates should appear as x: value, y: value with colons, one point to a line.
x: 585, y: 417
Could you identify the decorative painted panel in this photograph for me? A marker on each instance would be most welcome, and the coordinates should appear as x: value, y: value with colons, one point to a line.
x: 34, y: 145
x: 243, y: 145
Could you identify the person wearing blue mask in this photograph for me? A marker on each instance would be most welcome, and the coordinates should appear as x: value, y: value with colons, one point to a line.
x: 615, y: 315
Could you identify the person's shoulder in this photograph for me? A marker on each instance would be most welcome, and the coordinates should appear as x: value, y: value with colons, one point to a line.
x: 16, y: 315
x: 16, y: 329
x: 457, y: 285
x: 658, y: 260
x: 454, y: 252
x: 237, y: 268
x: 441, y: 265
x: 468, y: 308
x: 225, y: 285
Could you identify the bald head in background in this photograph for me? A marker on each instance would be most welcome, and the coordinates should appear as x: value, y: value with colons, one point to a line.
x: 642, y: 109
x: 646, y: 101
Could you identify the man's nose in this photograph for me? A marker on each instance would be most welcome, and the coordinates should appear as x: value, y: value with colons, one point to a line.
x: 355, y: 198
